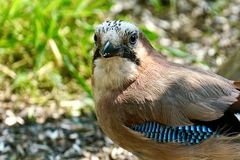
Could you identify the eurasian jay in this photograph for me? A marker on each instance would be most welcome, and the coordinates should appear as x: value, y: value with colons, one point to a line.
x: 157, y: 109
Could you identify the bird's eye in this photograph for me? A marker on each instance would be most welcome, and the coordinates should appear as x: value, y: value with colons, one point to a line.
x: 95, y: 38
x: 133, y: 39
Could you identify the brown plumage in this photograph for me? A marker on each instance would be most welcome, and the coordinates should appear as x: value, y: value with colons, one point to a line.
x: 133, y: 84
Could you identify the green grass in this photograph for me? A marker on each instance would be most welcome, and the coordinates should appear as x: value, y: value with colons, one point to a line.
x: 45, y: 43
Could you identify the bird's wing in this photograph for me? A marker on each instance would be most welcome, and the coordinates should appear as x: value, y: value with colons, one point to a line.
x: 191, y: 96
x: 236, y: 105
x: 198, y: 96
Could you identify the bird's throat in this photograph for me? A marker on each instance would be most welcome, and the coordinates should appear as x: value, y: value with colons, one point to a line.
x: 113, y: 73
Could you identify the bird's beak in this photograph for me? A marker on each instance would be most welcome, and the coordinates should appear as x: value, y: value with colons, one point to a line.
x: 109, y: 50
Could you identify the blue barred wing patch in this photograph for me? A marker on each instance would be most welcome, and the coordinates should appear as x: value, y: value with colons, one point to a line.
x: 181, y: 134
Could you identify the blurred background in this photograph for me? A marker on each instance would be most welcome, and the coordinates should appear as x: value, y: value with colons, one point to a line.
x: 46, y: 48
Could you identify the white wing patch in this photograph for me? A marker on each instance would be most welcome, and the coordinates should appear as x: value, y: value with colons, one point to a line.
x: 237, y: 115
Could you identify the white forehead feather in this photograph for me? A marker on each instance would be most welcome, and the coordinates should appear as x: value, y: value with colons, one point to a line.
x: 116, y: 25
x: 114, y: 30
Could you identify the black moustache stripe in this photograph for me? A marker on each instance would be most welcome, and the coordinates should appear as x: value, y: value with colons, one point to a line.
x: 127, y: 53
x: 131, y: 55
x: 96, y: 54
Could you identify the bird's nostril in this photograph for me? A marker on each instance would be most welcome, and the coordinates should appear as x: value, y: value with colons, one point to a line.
x: 105, y: 54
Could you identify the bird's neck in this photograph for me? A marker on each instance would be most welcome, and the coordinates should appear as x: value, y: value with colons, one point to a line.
x: 112, y: 74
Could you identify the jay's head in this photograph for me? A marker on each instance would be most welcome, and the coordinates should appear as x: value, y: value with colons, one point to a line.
x: 120, y: 48
x: 118, y: 39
